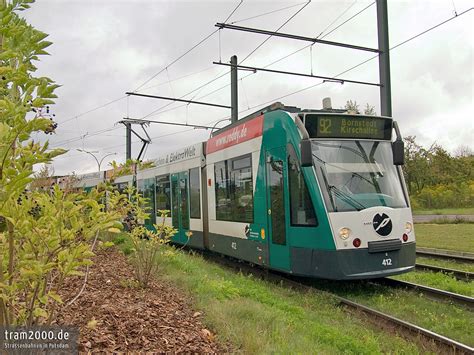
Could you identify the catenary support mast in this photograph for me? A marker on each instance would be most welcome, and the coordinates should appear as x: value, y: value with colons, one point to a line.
x: 233, y: 90
x: 384, y: 59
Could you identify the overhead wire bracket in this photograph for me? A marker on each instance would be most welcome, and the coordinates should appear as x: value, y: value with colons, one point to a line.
x: 340, y: 80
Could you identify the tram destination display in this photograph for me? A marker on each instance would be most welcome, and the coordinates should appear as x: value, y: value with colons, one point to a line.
x: 332, y: 126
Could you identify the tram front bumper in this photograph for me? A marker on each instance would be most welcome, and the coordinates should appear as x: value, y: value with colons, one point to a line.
x: 352, y: 264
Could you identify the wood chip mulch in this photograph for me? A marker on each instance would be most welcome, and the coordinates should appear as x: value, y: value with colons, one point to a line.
x: 114, y: 314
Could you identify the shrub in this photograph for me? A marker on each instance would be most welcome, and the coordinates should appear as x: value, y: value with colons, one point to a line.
x: 446, y: 195
x: 147, y: 245
x: 44, y: 237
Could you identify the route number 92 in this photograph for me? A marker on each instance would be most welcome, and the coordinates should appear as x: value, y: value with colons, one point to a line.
x: 387, y: 262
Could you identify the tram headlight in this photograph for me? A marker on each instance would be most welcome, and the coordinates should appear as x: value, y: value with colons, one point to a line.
x: 344, y: 233
x: 408, y: 227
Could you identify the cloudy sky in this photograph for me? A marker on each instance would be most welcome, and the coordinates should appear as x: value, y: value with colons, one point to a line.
x: 104, y: 48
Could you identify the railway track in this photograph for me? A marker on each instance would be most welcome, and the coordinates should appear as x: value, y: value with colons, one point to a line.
x: 445, y: 343
x: 445, y: 254
x: 433, y: 292
x: 458, y: 274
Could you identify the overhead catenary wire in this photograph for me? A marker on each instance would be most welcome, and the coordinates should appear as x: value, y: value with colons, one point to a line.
x: 337, y: 18
x: 349, y: 19
x: 290, y: 54
x: 94, y: 109
x: 341, y: 73
x: 349, y: 69
x: 187, y: 52
x: 180, y: 77
x: 166, y: 68
x: 367, y: 60
x: 225, y: 72
x: 268, y: 13
x: 160, y: 109
x: 86, y: 135
x: 137, y: 141
x: 278, y: 29
x: 202, y: 41
x: 75, y: 117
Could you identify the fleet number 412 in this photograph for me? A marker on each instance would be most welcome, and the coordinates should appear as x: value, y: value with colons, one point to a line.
x: 387, y: 262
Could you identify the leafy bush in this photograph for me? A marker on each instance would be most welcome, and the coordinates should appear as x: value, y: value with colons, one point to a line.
x: 48, y: 239
x: 146, y: 250
x: 45, y: 237
x: 446, y: 195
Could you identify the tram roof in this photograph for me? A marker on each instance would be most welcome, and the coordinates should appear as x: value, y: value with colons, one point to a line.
x: 274, y: 107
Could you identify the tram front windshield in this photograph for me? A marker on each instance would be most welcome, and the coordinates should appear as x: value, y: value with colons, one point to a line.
x: 355, y: 175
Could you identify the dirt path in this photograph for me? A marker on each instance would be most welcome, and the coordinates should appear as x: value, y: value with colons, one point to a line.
x: 113, y: 314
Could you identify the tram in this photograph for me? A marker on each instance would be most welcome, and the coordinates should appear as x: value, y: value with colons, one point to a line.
x: 316, y: 193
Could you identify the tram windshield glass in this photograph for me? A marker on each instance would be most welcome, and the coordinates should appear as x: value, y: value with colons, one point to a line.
x: 355, y: 175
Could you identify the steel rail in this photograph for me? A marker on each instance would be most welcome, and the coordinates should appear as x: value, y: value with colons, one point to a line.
x: 437, y: 293
x: 455, y: 345
x: 445, y: 255
x: 289, y: 280
x: 458, y: 274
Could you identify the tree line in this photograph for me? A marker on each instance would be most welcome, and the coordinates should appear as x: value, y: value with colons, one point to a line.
x: 437, y: 179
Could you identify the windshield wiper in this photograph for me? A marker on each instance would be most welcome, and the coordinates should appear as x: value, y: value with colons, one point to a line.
x: 380, y: 172
x: 346, y: 198
x: 334, y: 207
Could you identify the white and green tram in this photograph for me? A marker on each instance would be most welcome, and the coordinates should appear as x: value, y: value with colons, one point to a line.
x: 317, y: 193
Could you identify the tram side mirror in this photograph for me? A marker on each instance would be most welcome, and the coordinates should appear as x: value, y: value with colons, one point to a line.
x: 398, y: 149
x: 306, y: 153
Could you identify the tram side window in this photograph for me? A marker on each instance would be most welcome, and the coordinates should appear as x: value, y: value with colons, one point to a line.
x: 163, y: 194
x: 194, y: 193
x: 234, y: 189
x: 121, y: 186
x: 146, y: 189
x: 301, y: 206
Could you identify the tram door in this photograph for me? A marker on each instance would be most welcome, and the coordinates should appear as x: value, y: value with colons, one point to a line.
x: 180, y: 206
x: 277, y: 195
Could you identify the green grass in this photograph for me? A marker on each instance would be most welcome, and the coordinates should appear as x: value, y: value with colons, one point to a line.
x: 443, y: 318
x: 440, y: 281
x: 259, y: 317
x: 122, y: 241
x: 451, y: 264
x: 459, y: 237
x: 467, y: 210
x: 447, y: 220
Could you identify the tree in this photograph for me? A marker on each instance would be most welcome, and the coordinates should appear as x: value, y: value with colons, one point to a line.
x: 43, y: 179
x: 463, y: 151
x: 416, y: 167
x: 435, y: 178
x: 130, y: 167
x: 369, y: 110
x: 352, y: 107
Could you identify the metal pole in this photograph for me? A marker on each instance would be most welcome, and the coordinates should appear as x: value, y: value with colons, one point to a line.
x: 105, y: 156
x: 384, y: 59
x: 128, y: 150
x: 233, y: 90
